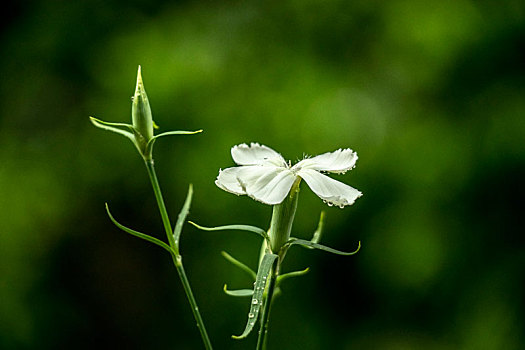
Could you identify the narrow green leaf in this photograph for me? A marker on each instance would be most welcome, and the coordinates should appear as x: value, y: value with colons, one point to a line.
x: 249, y: 228
x: 258, y: 291
x: 319, y: 232
x: 138, y: 234
x: 240, y: 265
x: 178, y: 132
x: 238, y: 292
x: 119, y: 128
x: 149, y: 146
x: 182, y: 216
x: 285, y: 276
x: 310, y: 244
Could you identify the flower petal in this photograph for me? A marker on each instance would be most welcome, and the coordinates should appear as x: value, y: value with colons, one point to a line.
x: 339, y: 161
x: 329, y: 190
x: 256, y: 154
x: 267, y: 184
x: 228, y: 180
x: 268, y: 187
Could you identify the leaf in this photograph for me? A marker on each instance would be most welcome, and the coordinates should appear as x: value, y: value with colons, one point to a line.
x: 238, y: 292
x: 310, y: 244
x: 119, y: 128
x: 285, y: 276
x: 249, y: 228
x: 149, y: 146
x: 177, y: 132
x: 258, y: 291
x: 139, y: 234
x: 239, y: 264
x: 182, y: 216
x: 318, y: 233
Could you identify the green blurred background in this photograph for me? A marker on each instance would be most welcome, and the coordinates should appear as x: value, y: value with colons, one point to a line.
x: 430, y: 94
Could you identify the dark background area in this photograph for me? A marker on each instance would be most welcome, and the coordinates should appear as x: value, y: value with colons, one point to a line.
x: 430, y: 95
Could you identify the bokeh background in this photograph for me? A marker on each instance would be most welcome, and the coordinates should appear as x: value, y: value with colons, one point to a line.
x: 430, y: 94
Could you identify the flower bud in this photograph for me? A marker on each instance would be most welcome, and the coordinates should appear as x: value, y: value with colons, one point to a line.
x: 141, y: 112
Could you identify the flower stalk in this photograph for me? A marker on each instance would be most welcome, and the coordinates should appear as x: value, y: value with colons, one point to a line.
x: 176, y: 257
x: 283, y: 215
x: 141, y: 133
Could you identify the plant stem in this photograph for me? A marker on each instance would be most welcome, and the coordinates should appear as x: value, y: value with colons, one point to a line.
x: 265, y: 316
x: 160, y: 201
x: 283, y: 215
x: 176, y: 257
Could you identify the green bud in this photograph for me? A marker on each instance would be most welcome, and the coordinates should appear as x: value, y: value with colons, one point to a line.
x: 141, y: 113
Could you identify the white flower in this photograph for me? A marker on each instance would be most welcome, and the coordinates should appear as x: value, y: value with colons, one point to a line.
x: 265, y: 176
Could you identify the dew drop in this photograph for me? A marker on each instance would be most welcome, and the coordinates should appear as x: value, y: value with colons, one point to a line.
x: 250, y: 315
x: 255, y: 302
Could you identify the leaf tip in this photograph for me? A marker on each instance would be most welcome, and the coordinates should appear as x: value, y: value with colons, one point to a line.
x: 93, y: 120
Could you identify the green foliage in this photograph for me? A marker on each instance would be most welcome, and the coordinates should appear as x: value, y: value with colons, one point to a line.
x: 310, y: 244
x: 263, y: 274
x: 247, y: 228
x: 139, y: 234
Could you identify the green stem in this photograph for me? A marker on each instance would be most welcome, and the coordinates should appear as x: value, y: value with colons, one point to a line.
x: 177, y: 260
x: 160, y: 201
x: 265, y: 316
x: 176, y: 257
x: 283, y: 215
